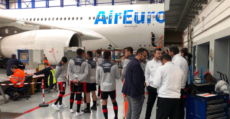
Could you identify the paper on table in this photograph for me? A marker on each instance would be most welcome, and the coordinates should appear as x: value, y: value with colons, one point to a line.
x: 206, y: 95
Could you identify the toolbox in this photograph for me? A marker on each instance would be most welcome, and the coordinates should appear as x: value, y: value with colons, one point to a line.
x: 215, y: 107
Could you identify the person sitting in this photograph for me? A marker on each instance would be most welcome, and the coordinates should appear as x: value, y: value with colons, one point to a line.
x: 17, y: 79
x: 221, y: 86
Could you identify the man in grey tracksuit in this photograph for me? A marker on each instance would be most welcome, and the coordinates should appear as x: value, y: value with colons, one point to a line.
x: 60, y: 76
x: 100, y: 60
x: 77, y: 70
x: 106, y: 75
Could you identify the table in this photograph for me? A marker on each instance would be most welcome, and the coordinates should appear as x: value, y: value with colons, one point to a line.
x: 35, y: 77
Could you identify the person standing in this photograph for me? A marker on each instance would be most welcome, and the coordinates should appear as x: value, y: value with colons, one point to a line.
x: 179, y: 61
x: 129, y: 56
x: 60, y: 76
x: 168, y: 80
x: 78, y: 71
x: 150, y: 72
x: 92, y: 78
x: 45, y: 60
x: 100, y: 60
x: 106, y: 75
x: 153, y: 39
x: 12, y: 61
x: 134, y: 85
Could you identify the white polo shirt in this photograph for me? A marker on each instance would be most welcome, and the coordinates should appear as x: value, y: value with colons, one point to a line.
x: 168, y: 80
x: 150, y: 71
x: 179, y: 61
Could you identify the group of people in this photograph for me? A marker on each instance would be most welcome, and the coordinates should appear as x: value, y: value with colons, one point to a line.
x: 164, y: 76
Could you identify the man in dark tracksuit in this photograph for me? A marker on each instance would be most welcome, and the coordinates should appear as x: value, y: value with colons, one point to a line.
x: 106, y: 75
x: 12, y: 61
x: 100, y: 60
x: 78, y: 71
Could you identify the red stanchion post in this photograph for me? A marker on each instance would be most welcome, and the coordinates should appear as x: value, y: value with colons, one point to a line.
x: 43, y: 93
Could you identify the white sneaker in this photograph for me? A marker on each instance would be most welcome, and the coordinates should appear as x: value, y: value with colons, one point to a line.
x: 55, y: 107
x: 62, y: 106
x: 71, y: 110
x: 79, y: 114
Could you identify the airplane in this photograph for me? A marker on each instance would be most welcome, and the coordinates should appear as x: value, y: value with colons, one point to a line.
x: 91, y: 27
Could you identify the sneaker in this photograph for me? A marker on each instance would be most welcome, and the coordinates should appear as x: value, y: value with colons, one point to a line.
x: 71, y: 110
x: 86, y: 110
x: 93, y: 108
x: 55, y: 107
x: 79, y: 114
x: 62, y: 106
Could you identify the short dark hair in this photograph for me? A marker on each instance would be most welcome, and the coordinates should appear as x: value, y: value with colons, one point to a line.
x: 157, y: 49
x: 90, y: 53
x: 13, y: 67
x: 79, y: 51
x: 167, y: 57
x: 64, y: 59
x: 98, y: 51
x: 174, y: 49
x: 107, y: 54
x: 208, y: 77
x: 141, y: 50
x: 130, y: 49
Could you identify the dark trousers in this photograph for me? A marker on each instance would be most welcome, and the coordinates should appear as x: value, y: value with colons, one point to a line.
x: 10, y: 91
x: 182, y: 102
x: 168, y: 108
x: 152, y: 95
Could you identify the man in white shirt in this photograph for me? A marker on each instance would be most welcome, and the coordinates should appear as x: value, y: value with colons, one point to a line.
x: 167, y: 80
x: 179, y: 61
x: 150, y: 72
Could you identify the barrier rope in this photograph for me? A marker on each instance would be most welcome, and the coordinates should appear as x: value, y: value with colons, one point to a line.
x: 9, y: 84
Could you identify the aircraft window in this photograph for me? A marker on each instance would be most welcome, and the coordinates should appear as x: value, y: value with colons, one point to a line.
x: 57, y: 19
x: 111, y: 17
x: 48, y: 19
x: 73, y: 18
x: 69, y: 18
x: 41, y: 19
x: 97, y: 18
x: 120, y: 17
x: 102, y: 17
x: 153, y: 16
x: 53, y: 19
x: 34, y: 19
x: 65, y: 18
x: 76, y: 18
x: 30, y: 19
x: 23, y: 19
x: 148, y: 16
x: 107, y: 17
x: 38, y: 19
x: 89, y: 18
x: 26, y: 19
x: 45, y: 19
x: 93, y: 18
x: 60, y: 18
x: 81, y: 18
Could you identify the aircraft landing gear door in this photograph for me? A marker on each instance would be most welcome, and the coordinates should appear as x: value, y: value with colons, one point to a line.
x: 131, y: 26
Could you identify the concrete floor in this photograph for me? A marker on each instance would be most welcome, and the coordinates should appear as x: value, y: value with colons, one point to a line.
x: 49, y: 113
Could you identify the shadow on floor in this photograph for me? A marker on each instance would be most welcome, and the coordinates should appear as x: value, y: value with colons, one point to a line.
x: 9, y: 115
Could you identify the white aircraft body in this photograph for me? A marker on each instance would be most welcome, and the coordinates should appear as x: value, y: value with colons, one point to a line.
x: 91, y: 27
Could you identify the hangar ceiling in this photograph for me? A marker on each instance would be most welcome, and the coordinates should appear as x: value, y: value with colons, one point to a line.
x: 182, y: 13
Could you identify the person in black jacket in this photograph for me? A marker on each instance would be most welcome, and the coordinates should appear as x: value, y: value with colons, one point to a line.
x: 47, y: 73
x: 134, y: 85
x: 12, y: 61
x: 184, y: 53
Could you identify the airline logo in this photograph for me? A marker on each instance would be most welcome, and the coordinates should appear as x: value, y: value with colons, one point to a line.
x: 101, y: 17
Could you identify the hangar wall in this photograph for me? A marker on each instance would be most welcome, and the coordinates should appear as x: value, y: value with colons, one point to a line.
x: 213, y: 27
